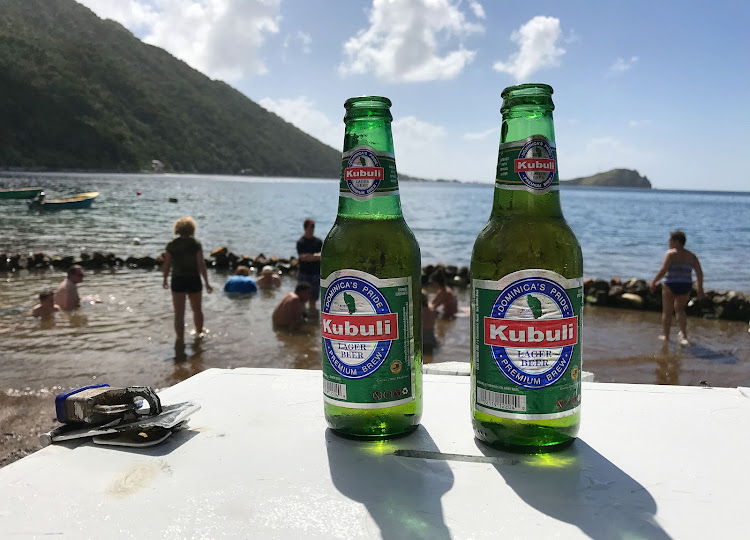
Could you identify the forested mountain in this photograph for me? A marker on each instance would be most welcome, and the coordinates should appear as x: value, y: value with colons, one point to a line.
x: 79, y: 92
x: 613, y: 178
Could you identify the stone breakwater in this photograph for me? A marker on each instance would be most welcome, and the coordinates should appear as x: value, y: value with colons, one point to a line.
x: 220, y: 259
x: 635, y: 294
x: 630, y: 294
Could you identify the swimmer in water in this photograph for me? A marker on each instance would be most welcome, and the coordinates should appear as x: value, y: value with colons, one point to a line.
x: 268, y: 279
x: 290, y: 312
x: 46, y: 307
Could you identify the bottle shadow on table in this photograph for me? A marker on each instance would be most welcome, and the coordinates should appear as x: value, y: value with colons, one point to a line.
x: 402, y: 495
x: 580, y: 486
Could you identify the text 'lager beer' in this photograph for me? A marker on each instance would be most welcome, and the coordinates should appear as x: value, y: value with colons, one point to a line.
x: 371, y: 289
x: 526, y: 291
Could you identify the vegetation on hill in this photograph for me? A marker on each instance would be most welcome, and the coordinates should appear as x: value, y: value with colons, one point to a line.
x: 79, y: 92
x: 613, y: 178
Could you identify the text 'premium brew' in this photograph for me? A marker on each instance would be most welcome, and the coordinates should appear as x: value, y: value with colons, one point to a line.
x: 370, y: 289
x: 527, y: 291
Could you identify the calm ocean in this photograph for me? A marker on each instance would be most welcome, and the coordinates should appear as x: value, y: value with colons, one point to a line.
x: 623, y: 232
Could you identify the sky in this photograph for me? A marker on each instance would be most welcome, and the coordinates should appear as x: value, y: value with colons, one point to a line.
x: 659, y: 87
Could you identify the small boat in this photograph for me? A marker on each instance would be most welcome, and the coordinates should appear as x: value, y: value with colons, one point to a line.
x: 80, y: 200
x: 20, y: 193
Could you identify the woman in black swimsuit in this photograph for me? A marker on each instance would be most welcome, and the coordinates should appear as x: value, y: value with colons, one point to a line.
x: 677, y: 271
x: 185, y: 256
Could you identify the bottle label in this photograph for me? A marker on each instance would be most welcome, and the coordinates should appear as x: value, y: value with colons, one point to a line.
x: 367, y: 336
x: 366, y: 173
x: 526, y: 347
x: 529, y: 165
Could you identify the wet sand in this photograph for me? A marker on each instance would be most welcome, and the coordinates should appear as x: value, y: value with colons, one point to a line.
x: 39, y: 362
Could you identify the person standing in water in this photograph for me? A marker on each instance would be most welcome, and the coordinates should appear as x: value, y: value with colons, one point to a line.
x: 308, y: 248
x: 445, y: 302
x: 677, y: 270
x: 66, y: 295
x: 184, y: 255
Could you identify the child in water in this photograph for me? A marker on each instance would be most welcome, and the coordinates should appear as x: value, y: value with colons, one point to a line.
x: 46, y: 306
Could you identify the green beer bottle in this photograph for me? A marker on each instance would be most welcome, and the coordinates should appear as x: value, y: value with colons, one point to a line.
x: 526, y: 291
x: 371, y: 309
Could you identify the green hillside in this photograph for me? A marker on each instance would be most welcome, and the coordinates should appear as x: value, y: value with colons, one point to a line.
x: 613, y: 178
x: 79, y: 92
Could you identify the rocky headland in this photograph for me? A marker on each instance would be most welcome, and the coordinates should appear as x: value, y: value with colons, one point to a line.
x: 614, y: 178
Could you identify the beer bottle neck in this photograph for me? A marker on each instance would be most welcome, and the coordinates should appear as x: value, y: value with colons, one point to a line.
x: 386, y: 207
x: 527, y: 112
x: 369, y: 180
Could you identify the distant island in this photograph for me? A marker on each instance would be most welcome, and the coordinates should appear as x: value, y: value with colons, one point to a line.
x: 614, y: 178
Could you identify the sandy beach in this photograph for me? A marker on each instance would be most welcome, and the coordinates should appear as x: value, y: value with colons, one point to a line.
x: 619, y: 346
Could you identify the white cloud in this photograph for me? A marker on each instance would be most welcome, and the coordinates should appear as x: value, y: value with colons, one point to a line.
x: 621, y: 66
x: 416, y: 133
x: 572, y: 37
x: 538, y: 49
x: 639, y: 123
x: 133, y: 14
x: 477, y: 9
x: 301, y: 112
x: 305, y: 40
x: 420, y: 146
x: 479, y: 135
x: 221, y: 38
x: 407, y: 41
x: 299, y: 42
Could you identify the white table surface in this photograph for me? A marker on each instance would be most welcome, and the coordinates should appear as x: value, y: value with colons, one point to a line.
x: 258, y: 462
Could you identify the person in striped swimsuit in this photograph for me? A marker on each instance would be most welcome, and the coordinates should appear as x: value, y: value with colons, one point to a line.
x: 677, y: 271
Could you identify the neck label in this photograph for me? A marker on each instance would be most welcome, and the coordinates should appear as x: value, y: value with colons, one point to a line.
x: 528, y: 165
x: 366, y: 173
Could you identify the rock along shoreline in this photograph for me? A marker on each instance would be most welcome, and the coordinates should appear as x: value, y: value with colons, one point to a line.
x: 632, y: 293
